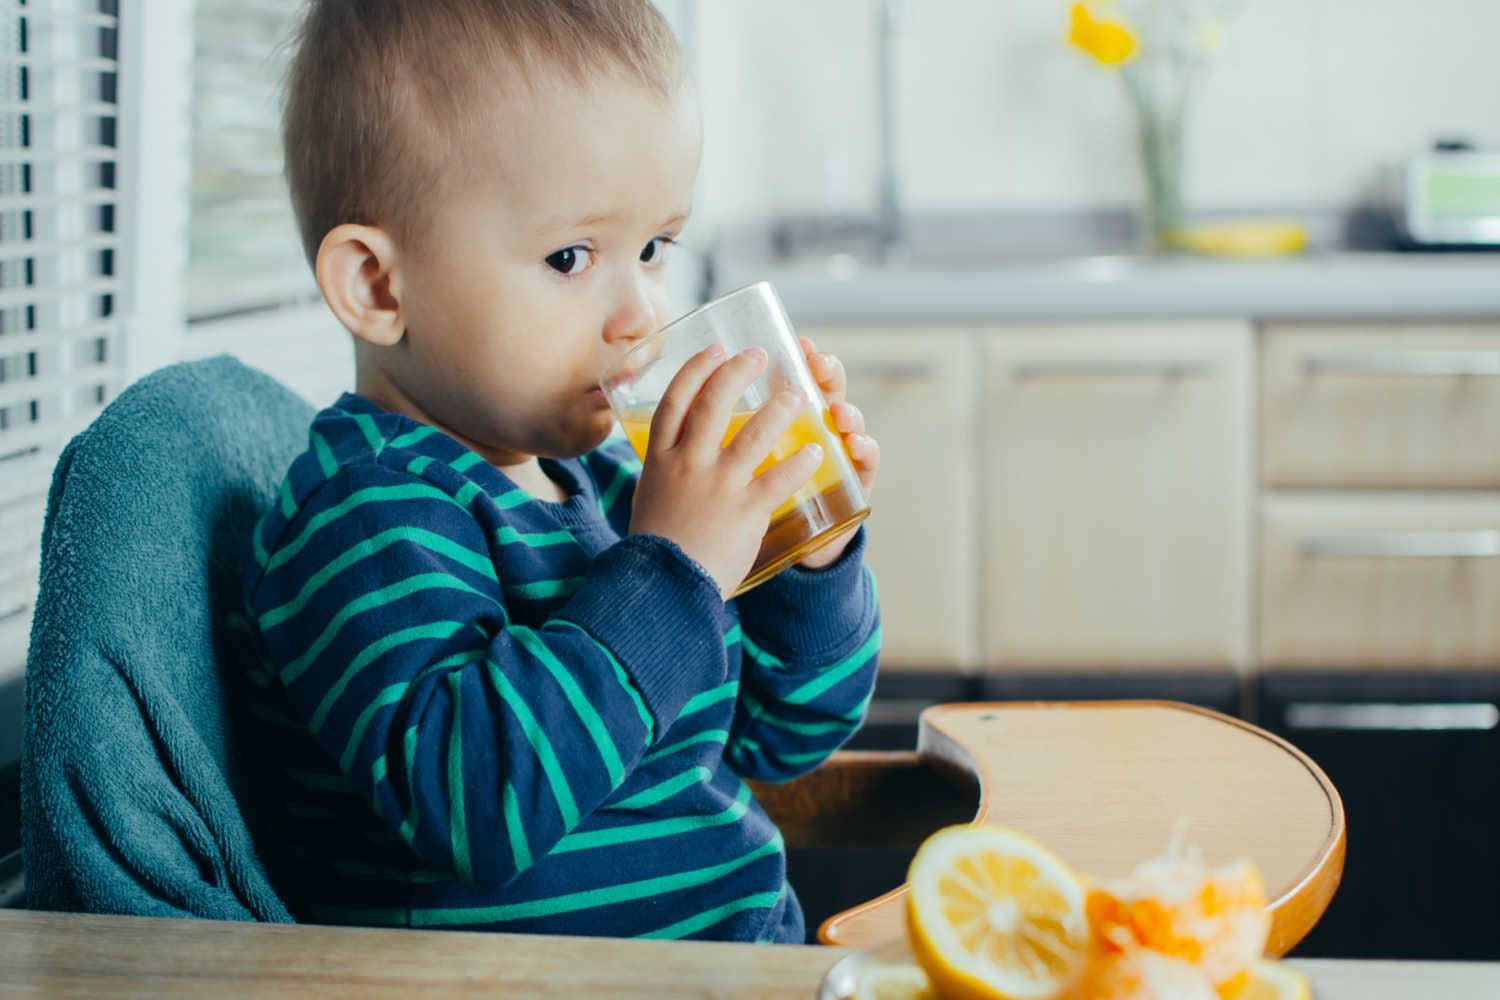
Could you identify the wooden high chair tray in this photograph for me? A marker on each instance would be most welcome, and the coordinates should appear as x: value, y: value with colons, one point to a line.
x: 1105, y: 784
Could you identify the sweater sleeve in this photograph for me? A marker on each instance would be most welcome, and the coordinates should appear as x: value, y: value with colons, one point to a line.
x: 811, y: 645
x: 480, y: 742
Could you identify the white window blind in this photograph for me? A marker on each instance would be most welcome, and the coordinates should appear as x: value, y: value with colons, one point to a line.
x: 245, y: 254
x: 61, y: 322
x: 249, y: 291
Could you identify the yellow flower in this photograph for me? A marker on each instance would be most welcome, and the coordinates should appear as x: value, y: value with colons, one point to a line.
x: 1210, y: 35
x: 1109, y: 42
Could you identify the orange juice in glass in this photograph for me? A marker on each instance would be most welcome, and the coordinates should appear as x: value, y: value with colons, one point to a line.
x: 829, y: 502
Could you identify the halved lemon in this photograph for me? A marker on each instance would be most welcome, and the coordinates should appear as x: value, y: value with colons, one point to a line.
x: 1272, y: 981
x: 895, y: 982
x: 993, y: 915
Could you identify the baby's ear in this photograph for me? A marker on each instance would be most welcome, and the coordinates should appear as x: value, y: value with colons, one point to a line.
x: 356, y: 270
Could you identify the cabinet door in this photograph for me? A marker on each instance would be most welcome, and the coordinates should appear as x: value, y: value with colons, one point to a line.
x: 915, y: 388
x: 1116, y: 466
x: 1390, y: 581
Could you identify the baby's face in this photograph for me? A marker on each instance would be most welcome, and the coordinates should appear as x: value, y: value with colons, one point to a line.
x: 545, y: 262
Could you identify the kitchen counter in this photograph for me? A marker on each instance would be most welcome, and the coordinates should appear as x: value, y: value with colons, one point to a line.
x: 1340, y: 286
x: 72, y: 955
x: 974, y: 268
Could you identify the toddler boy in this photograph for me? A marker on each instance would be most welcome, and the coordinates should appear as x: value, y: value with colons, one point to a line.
x: 498, y: 676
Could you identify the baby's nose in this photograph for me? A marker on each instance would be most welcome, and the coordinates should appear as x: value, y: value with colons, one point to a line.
x: 633, y: 317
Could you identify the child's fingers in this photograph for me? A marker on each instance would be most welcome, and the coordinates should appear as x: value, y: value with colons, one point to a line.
x: 777, y: 484
x: 761, y: 432
x: 827, y: 370
x: 865, y: 451
x: 847, y: 418
x: 672, y: 410
x: 705, y: 423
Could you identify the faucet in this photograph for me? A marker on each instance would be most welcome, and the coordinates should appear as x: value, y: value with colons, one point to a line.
x: 890, y: 227
x: 884, y: 231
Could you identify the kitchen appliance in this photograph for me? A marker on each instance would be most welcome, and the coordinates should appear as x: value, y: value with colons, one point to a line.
x: 1449, y: 197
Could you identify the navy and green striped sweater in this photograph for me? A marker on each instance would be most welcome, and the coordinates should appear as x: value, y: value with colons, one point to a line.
x: 486, y: 711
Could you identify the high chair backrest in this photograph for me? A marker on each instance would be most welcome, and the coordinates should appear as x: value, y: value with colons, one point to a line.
x: 134, y: 799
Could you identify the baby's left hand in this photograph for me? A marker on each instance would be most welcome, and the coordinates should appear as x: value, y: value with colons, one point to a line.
x: 828, y: 371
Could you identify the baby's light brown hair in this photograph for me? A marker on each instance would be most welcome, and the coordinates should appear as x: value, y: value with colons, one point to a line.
x: 381, y: 95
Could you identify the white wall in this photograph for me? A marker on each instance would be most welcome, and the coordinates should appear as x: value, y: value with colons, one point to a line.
x: 1310, y: 98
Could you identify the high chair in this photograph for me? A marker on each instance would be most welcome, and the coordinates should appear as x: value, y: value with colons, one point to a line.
x: 1105, y: 785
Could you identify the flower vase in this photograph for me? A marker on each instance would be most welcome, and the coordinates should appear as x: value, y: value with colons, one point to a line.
x: 1159, y: 134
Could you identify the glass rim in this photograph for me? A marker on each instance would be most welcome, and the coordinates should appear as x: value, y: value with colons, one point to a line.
x: 614, y: 370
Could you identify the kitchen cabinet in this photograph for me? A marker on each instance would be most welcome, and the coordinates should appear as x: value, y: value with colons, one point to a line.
x: 1380, y: 581
x: 916, y: 392
x: 1380, y: 406
x: 1219, y: 690
x: 900, y: 698
x: 1115, y: 467
x: 1149, y: 501
x: 1415, y: 759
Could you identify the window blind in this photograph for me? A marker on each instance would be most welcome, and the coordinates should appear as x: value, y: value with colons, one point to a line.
x: 244, y: 252
x: 249, y: 290
x: 61, y: 333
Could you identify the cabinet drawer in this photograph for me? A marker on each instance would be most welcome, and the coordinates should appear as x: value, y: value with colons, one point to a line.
x: 1403, y: 582
x: 1391, y: 406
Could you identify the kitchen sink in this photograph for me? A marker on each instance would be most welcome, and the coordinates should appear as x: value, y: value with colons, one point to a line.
x: 954, y: 243
x: 1103, y: 240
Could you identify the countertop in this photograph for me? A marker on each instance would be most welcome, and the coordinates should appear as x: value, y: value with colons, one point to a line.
x: 1338, y: 286
x: 96, y: 956
x: 977, y: 268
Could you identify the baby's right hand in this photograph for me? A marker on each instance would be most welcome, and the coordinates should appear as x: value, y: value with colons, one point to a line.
x: 702, y: 495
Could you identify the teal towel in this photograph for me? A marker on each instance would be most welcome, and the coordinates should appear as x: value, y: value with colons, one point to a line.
x: 133, y: 798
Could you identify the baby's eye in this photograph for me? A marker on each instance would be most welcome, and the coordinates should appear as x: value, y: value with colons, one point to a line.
x: 656, y: 250
x: 570, y: 261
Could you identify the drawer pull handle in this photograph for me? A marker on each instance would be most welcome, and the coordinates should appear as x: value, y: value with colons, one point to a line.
x: 892, y: 371
x: 1405, y: 363
x: 1408, y: 717
x: 1123, y: 368
x: 1405, y: 545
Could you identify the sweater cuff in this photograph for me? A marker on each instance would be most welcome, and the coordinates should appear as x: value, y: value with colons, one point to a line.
x: 803, y: 615
x: 660, y: 615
